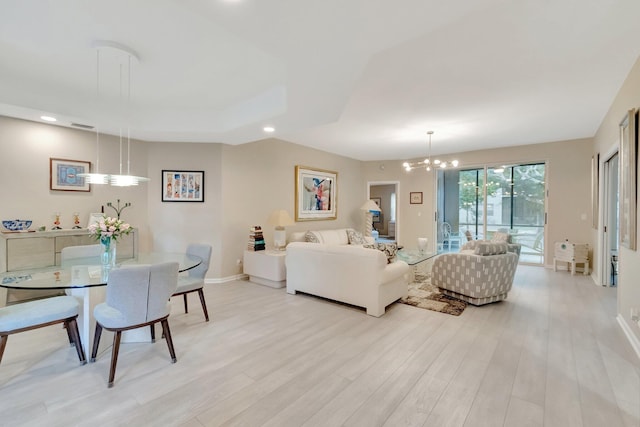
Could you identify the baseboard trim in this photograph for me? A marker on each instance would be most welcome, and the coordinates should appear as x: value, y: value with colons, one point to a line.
x: 226, y: 279
x: 633, y: 340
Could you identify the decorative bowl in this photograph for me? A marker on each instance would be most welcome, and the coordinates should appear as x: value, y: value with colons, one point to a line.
x: 17, y: 224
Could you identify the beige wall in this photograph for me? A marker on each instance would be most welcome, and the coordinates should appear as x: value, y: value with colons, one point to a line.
x: 173, y: 225
x: 606, y: 141
x: 24, y: 172
x: 568, y: 175
x: 258, y: 178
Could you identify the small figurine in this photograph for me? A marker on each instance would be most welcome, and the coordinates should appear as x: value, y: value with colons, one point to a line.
x: 76, y: 220
x: 56, y: 223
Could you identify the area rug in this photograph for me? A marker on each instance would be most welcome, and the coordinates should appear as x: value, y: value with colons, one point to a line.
x: 423, y: 294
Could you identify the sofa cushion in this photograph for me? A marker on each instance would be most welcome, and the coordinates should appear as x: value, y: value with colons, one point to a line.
x: 499, y: 237
x: 389, y: 249
x: 311, y: 237
x: 355, y: 237
x: 328, y: 237
x: 488, y: 248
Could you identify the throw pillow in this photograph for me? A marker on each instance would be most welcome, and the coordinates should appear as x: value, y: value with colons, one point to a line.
x: 311, y: 237
x: 499, y: 237
x: 485, y: 249
x: 355, y: 237
x: 389, y: 249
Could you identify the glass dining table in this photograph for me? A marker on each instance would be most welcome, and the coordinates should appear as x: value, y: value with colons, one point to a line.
x: 85, y: 278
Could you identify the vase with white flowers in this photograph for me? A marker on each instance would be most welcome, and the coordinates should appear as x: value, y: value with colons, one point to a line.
x: 107, y: 231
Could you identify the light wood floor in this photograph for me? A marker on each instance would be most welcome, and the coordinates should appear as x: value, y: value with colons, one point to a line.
x: 552, y: 354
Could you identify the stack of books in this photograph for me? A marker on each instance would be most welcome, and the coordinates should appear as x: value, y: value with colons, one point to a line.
x: 256, y: 239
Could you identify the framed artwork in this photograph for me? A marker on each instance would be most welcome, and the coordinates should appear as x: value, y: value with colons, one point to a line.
x: 595, y: 170
x: 182, y: 186
x: 415, y: 198
x: 94, y: 217
x: 628, y: 146
x: 316, y: 194
x: 63, y: 175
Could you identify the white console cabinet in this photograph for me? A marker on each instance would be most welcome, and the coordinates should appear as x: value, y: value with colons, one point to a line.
x: 25, y: 250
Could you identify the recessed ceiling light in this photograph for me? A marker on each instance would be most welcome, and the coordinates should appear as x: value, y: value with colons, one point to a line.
x: 269, y: 129
x: 48, y: 119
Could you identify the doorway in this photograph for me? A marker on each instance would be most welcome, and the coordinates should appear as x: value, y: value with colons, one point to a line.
x: 386, y: 222
x: 610, y: 175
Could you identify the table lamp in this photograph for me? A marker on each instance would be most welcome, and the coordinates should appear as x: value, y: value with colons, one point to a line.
x: 280, y: 218
x: 369, y: 207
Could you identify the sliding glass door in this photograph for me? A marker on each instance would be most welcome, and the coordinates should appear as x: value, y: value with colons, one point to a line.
x: 512, y: 201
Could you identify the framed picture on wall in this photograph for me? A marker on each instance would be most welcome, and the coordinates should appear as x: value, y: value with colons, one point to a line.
x: 64, y: 175
x: 182, y: 186
x: 316, y: 194
x: 628, y: 168
x: 415, y: 198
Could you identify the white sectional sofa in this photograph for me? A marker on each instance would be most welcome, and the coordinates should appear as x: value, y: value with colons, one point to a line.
x: 352, y: 274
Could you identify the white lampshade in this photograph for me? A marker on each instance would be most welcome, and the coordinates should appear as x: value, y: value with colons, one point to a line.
x: 369, y: 206
x: 280, y: 218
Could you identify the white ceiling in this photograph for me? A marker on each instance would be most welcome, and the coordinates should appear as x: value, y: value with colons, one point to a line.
x: 361, y: 78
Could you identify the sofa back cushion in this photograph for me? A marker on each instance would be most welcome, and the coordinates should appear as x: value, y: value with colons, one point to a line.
x: 488, y: 248
x: 328, y: 237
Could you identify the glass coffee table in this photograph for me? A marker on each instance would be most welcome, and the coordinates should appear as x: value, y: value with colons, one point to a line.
x: 415, y: 258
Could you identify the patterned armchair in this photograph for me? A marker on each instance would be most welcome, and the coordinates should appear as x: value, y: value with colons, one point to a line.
x: 481, y: 273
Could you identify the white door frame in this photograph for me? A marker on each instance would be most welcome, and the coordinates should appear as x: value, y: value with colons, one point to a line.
x: 603, y: 261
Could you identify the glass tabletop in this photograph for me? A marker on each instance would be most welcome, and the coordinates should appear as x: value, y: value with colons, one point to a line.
x: 414, y: 256
x: 87, y: 272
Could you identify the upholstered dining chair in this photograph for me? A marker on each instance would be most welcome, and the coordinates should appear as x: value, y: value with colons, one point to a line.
x: 194, y: 282
x: 75, y: 252
x: 137, y: 297
x: 38, y: 314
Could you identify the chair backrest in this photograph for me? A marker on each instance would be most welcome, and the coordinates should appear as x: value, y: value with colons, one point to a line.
x: 446, y: 230
x: 201, y: 251
x: 141, y: 293
x: 75, y: 252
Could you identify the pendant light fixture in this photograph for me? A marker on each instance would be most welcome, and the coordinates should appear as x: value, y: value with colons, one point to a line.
x: 427, y: 163
x: 119, y: 180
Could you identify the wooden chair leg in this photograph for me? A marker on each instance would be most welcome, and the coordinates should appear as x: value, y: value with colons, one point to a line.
x: 153, y: 332
x: 64, y: 325
x: 204, y: 304
x: 186, y: 308
x: 3, y: 344
x: 114, y: 356
x: 72, y: 328
x: 96, y: 342
x: 167, y: 336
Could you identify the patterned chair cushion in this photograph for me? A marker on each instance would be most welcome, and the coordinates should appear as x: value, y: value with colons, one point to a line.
x: 355, y: 237
x: 488, y: 248
x: 389, y: 249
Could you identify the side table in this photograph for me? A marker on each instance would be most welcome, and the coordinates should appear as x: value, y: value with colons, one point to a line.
x: 266, y: 267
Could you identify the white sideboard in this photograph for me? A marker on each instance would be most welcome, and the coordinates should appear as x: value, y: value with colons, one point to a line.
x: 25, y: 250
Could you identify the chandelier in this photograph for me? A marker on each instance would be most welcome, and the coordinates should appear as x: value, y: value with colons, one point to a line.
x: 427, y: 163
x: 119, y: 180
